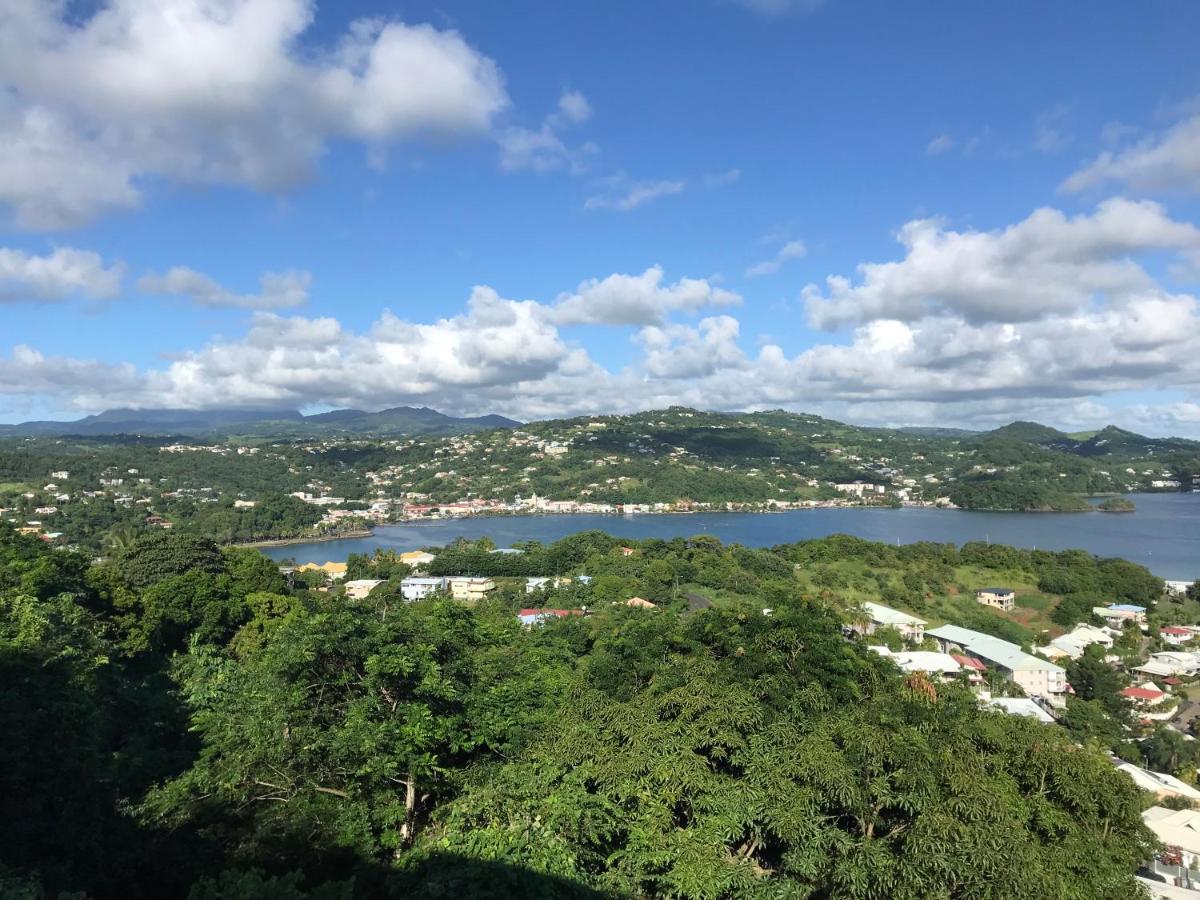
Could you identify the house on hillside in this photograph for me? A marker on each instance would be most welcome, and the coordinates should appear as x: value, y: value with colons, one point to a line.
x: 973, y: 667
x: 1074, y: 643
x: 879, y: 616
x: 470, y: 588
x: 334, y: 570
x: 416, y: 587
x: 640, y: 603
x: 1001, y: 598
x: 1178, y: 830
x: 417, y: 560
x: 1160, y: 784
x: 942, y: 665
x: 1118, y: 615
x: 530, y: 617
x: 1170, y: 663
x: 360, y: 588
x: 1020, y: 706
x: 1145, y: 695
x: 1177, y: 634
x: 1037, y: 676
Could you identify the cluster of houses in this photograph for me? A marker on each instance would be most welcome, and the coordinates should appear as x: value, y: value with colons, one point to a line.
x: 963, y: 650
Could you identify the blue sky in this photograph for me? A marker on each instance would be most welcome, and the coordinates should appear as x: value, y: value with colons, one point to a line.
x: 543, y: 158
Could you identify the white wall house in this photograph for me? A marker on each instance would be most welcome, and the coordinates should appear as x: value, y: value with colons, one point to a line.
x: 1037, y: 676
x: 910, y: 627
x: 1001, y: 598
x: 418, y: 588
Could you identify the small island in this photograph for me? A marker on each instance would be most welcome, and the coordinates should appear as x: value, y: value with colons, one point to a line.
x: 1117, y: 505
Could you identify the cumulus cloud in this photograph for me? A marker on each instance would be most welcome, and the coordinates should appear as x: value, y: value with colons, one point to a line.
x: 57, y: 276
x: 1048, y: 263
x: 509, y: 356
x: 279, y: 290
x: 214, y: 93
x: 789, y: 251
x: 543, y: 149
x: 636, y: 299
x: 1160, y: 162
x: 679, y: 351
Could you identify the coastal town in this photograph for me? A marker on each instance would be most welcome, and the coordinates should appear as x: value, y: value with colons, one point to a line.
x: 668, y: 462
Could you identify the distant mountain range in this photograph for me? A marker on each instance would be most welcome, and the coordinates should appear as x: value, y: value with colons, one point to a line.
x: 400, y: 420
x: 409, y: 421
x: 1108, y: 441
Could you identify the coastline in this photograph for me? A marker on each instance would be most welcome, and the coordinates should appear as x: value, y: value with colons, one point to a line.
x: 493, y: 513
x: 284, y: 542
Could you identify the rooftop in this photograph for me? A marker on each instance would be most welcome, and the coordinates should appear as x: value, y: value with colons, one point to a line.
x: 885, y: 615
x: 992, y: 649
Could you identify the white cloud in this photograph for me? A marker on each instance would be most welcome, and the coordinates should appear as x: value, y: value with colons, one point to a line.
x: 61, y: 274
x: 721, y: 179
x: 636, y: 299
x: 1046, y: 264
x: 679, y: 351
x: 1161, y: 162
x: 780, y: 7
x: 940, y: 144
x: 543, y: 149
x: 789, y: 251
x: 624, y: 195
x: 1049, y: 130
x: 574, y: 107
x: 211, y: 92
x: 279, y: 290
x: 508, y: 356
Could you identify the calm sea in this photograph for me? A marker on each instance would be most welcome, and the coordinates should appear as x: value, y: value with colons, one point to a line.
x: 1163, y: 534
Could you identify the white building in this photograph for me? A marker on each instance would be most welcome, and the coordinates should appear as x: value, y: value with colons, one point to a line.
x: 1178, y: 829
x: 1020, y: 706
x: 418, y: 588
x: 1037, y: 676
x: 1072, y: 644
x: 1171, y: 663
x: 860, y: 488
x: 910, y: 627
x: 1160, y: 784
x: 1117, y: 615
x: 941, y: 664
x: 997, y: 598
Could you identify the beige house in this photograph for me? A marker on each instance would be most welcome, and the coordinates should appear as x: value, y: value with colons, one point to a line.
x: 331, y: 569
x: 360, y: 588
x: 640, y: 603
x: 470, y: 588
x: 418, y: 559
x: 1000, y: 598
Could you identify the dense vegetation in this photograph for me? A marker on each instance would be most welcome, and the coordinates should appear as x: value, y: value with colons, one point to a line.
x: 180, y: 719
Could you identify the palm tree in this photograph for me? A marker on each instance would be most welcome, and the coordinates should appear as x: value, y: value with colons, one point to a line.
x: 119, y: 539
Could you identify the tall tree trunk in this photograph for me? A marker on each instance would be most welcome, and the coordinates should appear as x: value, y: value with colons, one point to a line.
x: 410, y: 809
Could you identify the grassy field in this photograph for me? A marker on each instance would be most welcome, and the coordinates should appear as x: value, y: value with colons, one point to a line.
x: 953, y: 600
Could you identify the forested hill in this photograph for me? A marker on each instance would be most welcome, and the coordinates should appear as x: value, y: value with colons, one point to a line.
x: 400, y: 420
x: 180, y: 720
x: 664, y: 455
x: 236, y: 488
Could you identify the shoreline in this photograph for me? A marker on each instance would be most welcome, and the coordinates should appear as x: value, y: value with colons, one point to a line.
x: 319, y: 539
